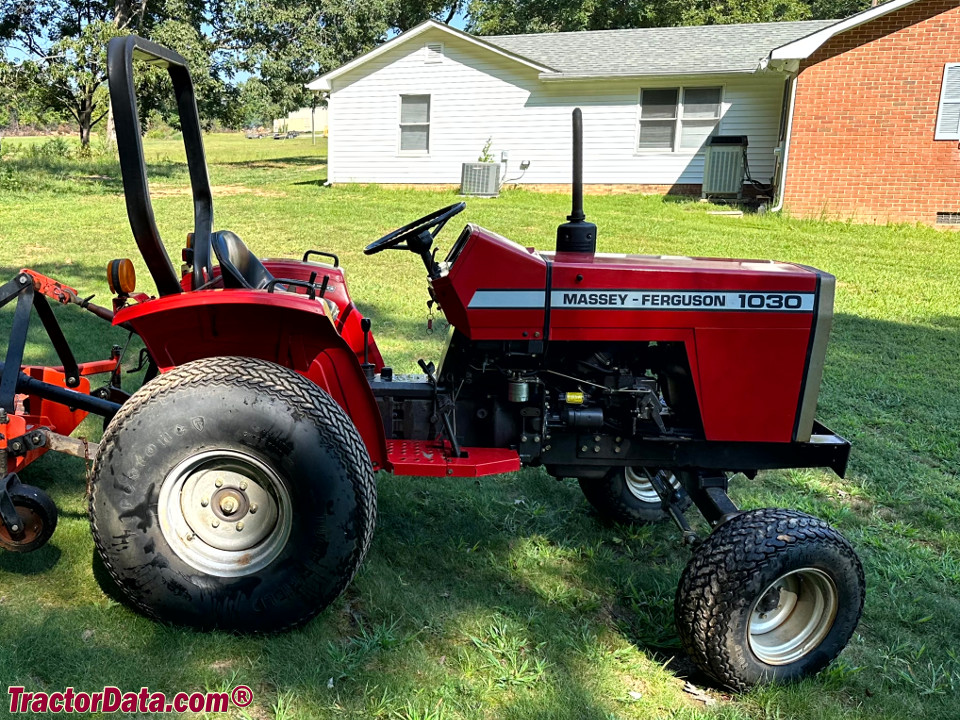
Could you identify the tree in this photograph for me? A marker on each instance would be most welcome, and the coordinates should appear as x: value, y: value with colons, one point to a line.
x: 254, y: 107
x: 287, y: 43
x: 63, y: 45
x: 494, y: 17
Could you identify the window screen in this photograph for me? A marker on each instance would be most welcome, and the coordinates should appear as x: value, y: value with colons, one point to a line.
x: 658, y: 118
x: 414, y: 123
x: 701, y: 115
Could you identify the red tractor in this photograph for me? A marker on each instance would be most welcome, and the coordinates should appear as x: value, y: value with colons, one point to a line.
x: 236, y: 488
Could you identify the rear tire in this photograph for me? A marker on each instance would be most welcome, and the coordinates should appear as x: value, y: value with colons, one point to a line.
x: 232, y: 493
x: 770, y: 596
x: 626, y: 495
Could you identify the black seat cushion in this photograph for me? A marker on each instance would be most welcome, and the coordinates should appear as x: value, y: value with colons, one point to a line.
x: 239, y: 267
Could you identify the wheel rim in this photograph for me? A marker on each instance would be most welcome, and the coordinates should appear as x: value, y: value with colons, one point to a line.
x: 32, y: 524
x: 640, y: 486
x: 225, y: 513
x: 792, y: 616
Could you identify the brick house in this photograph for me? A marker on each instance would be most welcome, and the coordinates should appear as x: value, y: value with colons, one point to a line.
x: 875, y: 121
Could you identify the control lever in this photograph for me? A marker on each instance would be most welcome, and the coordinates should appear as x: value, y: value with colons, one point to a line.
x: 443, y: 409
x: 369, y: 369
x: 428, y: 370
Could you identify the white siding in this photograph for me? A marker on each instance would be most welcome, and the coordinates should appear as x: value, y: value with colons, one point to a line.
x: 476, y: 94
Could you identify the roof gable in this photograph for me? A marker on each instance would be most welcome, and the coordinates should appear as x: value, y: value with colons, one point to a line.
x: 323, y: 82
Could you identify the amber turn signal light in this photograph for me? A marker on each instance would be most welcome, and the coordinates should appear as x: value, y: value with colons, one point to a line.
x: 121, y: 277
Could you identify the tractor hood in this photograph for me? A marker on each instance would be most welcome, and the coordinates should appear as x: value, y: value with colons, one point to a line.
x: 749, y: 326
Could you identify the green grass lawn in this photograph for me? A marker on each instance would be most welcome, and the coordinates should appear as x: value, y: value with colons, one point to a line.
x: 506, y: 597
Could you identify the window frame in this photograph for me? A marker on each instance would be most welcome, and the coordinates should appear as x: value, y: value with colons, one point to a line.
x: 678, y: 120
x: 400, y: 125
x: 937, y: 135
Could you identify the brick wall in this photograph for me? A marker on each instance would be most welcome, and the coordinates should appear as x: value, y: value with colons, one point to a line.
x: 862, y: 145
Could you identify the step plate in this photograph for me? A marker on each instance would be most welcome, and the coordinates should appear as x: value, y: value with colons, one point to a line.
x: 432, y: 459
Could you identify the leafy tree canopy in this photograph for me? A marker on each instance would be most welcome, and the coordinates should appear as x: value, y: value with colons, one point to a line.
x: 494, y: 17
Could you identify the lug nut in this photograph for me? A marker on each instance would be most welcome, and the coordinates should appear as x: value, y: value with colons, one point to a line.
x: 253, y: 508
x: 190, y: 536
x: 205, y: 501
x: 243, y: 484
x: 218, y: 482
x: 229, y: 505
x: 215, y: 523
x: 240, y: 526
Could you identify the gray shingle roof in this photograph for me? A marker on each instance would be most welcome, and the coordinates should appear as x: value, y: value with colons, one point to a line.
x: 657, y: 51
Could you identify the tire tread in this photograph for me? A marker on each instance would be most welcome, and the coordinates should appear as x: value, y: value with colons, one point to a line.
x: 710, y: 589
x: 261, y: 376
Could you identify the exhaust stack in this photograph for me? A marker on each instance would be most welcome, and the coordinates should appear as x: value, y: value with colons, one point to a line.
x: 577, y: 235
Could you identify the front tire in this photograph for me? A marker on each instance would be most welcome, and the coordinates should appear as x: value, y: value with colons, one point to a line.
x: 232, y: 493
x: 626, y: 495
x: 770, y: 596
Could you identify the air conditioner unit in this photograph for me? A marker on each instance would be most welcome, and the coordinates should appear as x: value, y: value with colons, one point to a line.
x: 482, y: 179
x: 724, y: 167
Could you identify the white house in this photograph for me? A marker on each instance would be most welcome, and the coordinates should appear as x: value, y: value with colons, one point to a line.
x: 415, y: 108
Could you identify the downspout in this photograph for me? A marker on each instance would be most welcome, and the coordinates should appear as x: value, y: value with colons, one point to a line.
x: 319, y: 95
x: 786, y: 146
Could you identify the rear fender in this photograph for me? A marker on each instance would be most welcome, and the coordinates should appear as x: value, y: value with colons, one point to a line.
x: 287, y: 329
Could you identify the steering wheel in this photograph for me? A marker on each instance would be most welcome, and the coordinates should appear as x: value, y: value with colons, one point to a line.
x: 408, y: 237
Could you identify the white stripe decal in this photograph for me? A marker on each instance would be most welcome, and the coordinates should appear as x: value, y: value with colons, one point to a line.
x: 722, y: 301
x: 507, y: 299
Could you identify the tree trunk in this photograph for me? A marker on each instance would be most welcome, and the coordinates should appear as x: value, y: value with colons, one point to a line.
x: 85, y: 118
x: 111, y: 127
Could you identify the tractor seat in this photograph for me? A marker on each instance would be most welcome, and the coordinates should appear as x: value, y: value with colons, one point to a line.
x: 239, y: 267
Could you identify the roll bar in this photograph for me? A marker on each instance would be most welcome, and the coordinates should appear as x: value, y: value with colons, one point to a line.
x: 121, y: 52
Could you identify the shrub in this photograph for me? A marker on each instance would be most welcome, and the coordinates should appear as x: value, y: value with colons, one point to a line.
x: 10, y: 179
x: 56, y: 147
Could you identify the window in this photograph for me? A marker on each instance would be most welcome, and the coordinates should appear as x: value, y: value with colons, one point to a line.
x: 434, y: 53
x: 948, y: 116
x: 415, y: 124
x: 678, y: 119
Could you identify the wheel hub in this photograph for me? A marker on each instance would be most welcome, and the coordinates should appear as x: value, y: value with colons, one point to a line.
x: 793, y: 616
x: 225, y: 512
x: 32, y: 525
x: 640, y: 486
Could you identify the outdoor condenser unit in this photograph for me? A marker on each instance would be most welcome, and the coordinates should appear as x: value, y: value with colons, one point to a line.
x: 725, y: 167
x: 481, y: 179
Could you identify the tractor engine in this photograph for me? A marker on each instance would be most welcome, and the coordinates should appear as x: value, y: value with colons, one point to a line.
x: 575, y: 407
